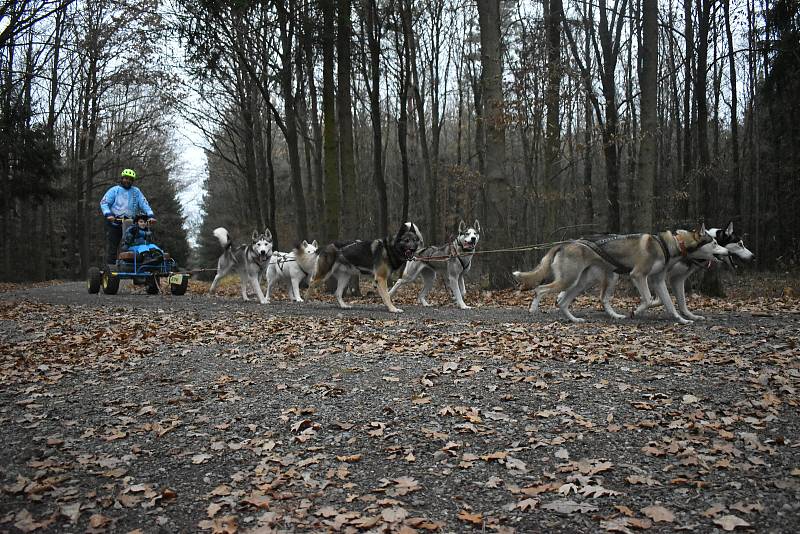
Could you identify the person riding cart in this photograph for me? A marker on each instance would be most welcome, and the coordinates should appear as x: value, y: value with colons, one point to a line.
x: 121, y: 202
x: 140, y: 260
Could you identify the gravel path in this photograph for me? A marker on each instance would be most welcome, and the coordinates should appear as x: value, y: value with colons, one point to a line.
x: 197, y: 413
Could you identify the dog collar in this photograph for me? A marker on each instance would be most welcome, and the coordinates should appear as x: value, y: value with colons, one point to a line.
x: 681, y: 245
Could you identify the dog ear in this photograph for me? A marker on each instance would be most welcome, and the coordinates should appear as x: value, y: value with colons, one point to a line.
x: 267, y: 234
x: 419, y: 234
x: 729, y: 229
x: 314, y: 244
x: 461, y: 226
x: 255, y: 235
x: 477, y: 226
x: 304, y: 244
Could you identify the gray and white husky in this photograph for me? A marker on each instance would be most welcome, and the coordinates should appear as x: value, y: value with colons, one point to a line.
x: 677, y: 275
x: 453, y: 259
x: 249, y: 261
x: 646, y: 258
x: 293, y: 268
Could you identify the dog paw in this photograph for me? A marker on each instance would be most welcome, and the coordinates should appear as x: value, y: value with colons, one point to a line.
x: 684, y: 321
x: 578, y: 320
x: 396, y: 310
x: 694, y: 317
x: 617, y: 316
x: 465, y: 307
x: 426, y: 304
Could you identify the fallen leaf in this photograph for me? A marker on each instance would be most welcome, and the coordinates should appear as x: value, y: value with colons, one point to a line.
x: 569, y: 507
x: 475, y: 519
x: 200, y: 458
x: 659, y: 514
x: 730, y: 522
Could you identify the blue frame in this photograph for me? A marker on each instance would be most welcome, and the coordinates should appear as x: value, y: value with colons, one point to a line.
x: 138, y: 270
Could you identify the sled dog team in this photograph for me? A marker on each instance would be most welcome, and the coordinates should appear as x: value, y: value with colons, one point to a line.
x: 567, y: 269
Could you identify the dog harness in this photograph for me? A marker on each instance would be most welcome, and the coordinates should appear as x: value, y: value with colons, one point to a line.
x: 597, y: 247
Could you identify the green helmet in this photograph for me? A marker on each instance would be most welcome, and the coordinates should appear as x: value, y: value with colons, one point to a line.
x: 128, y: 173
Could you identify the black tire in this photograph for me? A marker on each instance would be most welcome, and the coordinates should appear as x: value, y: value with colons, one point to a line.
x: 180, y: 289
x: 110, y: 283
x: 94, y: 280
x: 153, y: 287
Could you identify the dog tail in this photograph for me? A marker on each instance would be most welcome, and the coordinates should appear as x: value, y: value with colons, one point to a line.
x: 532, y: 279
x: 224, y: 238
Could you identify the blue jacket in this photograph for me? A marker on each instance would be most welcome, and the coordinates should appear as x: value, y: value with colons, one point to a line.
x: 136, y: 236
x: 120, y: 202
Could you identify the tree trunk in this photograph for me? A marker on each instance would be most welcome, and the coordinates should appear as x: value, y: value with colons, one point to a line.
x: 735, y: 174
x: 688, y: 159
x: 648, y: 112
x: 497, y: 187
x: 552, y: 169
x: 333, y: 188
x: 373, y: 85
x: 286, y: 24
x: 707, y: 181
x: 344, y: 113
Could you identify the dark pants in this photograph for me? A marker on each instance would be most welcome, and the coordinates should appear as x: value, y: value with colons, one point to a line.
x: 113, y: 237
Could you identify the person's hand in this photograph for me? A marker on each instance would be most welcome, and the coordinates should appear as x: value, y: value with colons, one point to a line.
x: 110, y: 218
x: 151, y: 220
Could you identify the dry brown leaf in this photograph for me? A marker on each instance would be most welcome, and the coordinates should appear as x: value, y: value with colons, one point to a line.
x: 730, y: 522
x: 475, y: 519
x: 659, y: 514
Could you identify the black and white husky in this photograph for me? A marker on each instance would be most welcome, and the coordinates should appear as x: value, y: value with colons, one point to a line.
x: 378, y: 257
x: 453, y: 259
x: 249, y: 261
x: 293, y: 268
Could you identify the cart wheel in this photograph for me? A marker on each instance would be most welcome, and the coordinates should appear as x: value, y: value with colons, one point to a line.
x: 94, y: 280
x: 110, y: 283
x: 179, y: 289
x: 153, y: 287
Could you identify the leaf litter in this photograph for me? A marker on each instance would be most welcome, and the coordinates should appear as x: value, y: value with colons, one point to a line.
x: 218, y: 416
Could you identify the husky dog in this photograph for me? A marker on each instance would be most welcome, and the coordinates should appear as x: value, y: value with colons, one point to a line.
x: 453, y: 259
x: 734, y: 250
x: 292, y: 267
x: 676, y: 278
x: 379, y: 257
x: 734, y: 243
x: 249, y: 261
x: 572, y: 265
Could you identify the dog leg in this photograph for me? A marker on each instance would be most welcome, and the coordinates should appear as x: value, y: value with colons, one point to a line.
x: 455, y: 287
x: 678, y: 285
x: 215, y: 283
x: 380, y: 277
x: 428, y: 277
x: 609, y: 284
x: 660, y: 287
x: 294, y: 289
x: 409, y: 275
x: 462, y: 286
x: 221, y: 273
x: 254, y: 281
x: 568, y: 297
x: 640, y: 282
x: 270, y: 283
x: 455, y: 279
x: 341, y: 284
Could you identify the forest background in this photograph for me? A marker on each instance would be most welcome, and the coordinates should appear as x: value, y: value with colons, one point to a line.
x: 341, y: 119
